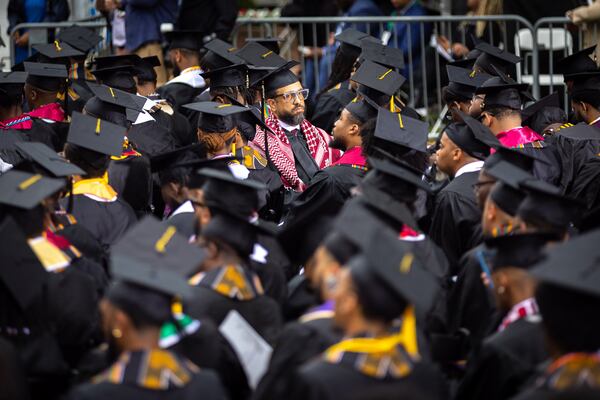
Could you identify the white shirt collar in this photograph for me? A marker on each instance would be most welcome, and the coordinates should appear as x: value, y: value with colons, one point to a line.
x: 190, y: 76
x: 185, y: 207
x: 470, y: 167
x: 287, y: 127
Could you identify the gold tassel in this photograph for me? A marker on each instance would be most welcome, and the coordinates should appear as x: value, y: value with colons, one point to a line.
x: 29, y: 181
x: 98, y: 126
x: 161, y: 244
x: 400, y: 120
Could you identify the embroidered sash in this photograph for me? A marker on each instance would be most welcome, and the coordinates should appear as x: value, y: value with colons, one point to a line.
x: 232, y: 281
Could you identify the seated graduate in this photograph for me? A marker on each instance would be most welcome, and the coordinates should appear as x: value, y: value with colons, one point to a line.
x: 545, y: 116
x: 49, y: 304
x: 492, y: 59
x: 568, y: 300
x: 84, y: 40
x: 459, y: 93
x: 375, y: 303
x: 95, y: 204
x: 134, y: 311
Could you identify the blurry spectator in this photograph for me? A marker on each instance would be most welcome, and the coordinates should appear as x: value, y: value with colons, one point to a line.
x: 142, y: 28
x: 116, y: 23
x: 588, y: 18
x: 407, y: 37
x: 212, y: 18
x: 20, y: 11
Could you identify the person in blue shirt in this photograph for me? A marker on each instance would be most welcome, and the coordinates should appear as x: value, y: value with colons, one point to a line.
x: 407, y: 36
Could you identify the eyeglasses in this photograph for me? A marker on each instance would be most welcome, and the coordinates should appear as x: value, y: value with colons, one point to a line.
x: 300, y: 94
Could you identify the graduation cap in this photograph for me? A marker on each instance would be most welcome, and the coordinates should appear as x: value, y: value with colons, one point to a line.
x: 23, y: 275
x: 504, y: 92
x: 301, y: 236
x: 400, y: 271
x: 464, y: 82
x: 151, y: 264
x: 552, y: 100
x: 492, y: 56
x: 379, y: 78
x: 544, y: 204
x: 520, y: 159
x: 229, y: 194
x: 49, y: 159
x: 361, y: 110
x: 581, y: 62
x: 119, y: 77
x: 351, y: 41
x: 469, y: 60
x: 279, y: 78
x: 399, y: 170
x: 472, y: 137
x: 387, y: 56
x: 522, y: 250
x: 80, y: 38
x: 231, y: 75
x: 24, y: 190
x: 11, y: 83
x: 57, y: 50
x: 573, y: 264
x: 259, y: 56
x: 586, y: 87
x: 117, y: 97
x: 507, y: 193
x: 184, y: 39
x: 216, y: 117
x: 224, y: 51
x: 171, y: 159
x: 382, y: 202
x: 144, y: 69
x: 49, y: 77
x: 96, y: 134
x: 267, y: 42
x: 401, y: 130
x: 581, y: 131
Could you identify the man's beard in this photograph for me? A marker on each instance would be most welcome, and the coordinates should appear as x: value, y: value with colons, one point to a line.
x: 337, y: 143
x: 291, y: 119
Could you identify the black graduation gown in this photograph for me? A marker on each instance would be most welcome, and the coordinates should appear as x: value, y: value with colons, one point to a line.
x: 456, y: 221
x: 586, y: 186
x: 271, y: 270
x: 548, y: 168
x: 203, y: 383
x: 106, y: 221
x: 151, y: 138
x: 82, y: 239
x: 574, y: 150
x: 8, y: 150
x: 299, y: 342
x: 505, y: 361
x: 320, y: 380
x: 12, y: 375
x: 329, y: 106
x: 179, y: 94
x: 40, y: 132
x: 185, y: 222
x: 132, y: 179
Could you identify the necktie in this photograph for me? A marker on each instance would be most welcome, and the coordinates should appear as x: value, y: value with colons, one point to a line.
x: 305, y: 163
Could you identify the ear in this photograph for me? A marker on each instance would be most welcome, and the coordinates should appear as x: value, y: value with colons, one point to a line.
x: 583, y: 106
x: 354, y: 130
x: 121, y: 321
x: 212, y: 249
x: 457, y: 154
x: 272, y: 104
x: 490, y: 212
x: 205, y: 216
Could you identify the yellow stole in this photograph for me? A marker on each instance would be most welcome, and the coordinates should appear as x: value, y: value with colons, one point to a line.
x: 97, y: 187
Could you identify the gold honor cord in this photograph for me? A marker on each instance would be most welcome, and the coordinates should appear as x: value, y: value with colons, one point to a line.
x: 161, y: 244
x: 29, y: 181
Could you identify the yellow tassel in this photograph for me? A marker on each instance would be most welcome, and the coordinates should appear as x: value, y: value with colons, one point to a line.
x: 233, y: 148
x: 176, y: 307
x: 161, y: 244
x: 400, y: 120
x: 392, y: 104
x: 382, y: 77
x: 58, y: 48
x: 406, y: 263
x: 111, y: 92
x: 224, y: 105
x: 29, y: 181
x: 267, y: 54
x: 98, y: 126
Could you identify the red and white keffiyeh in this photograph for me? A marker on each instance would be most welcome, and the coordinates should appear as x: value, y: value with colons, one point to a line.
x: 526, y: 308
x: 281, y: 155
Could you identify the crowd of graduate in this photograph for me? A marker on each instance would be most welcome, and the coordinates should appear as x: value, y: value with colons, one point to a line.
x: 217, y: 238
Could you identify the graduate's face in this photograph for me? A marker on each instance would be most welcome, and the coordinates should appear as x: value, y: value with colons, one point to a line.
x: 476, y: 106
x: 446, y: 155
x: 288, y: 104
x: 325, y: 275
x: 482, y: 188
x: 346, y: 299
x: 343, y: 129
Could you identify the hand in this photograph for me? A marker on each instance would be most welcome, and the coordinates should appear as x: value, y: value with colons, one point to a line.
x: 459, y: 50
x: 444, y: 42
x: 569, y: 14
x: 22, y: 40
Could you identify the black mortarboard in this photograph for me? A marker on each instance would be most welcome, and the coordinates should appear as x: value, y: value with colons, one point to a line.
x: 507, y: 193
x: 171, y: 158
x: 231, y: 75
x: 197, y: 181
x: 184, y: 39
x: 504, y: 92
x: 120, y: 77
x: 224, y: 50
x: 382, y: 202
x: 493, y: 56
x: 96, y: 134
x: 117, y: 97
x: 229, y: 194
x: 57, y: 50
x: 545, y: 205
x: 301, y: 236
x: 399, y: 170
x: 401, y: 130
x: 49, y: 77
x: 469, y: 61
x: 82, y: 39
x: 144, y: 69
x: 521, y: 250
x: 24, y: 190
x: 49, y: 159
x: 160, y: 250
x: 270, y: 43
x: 382, y: 79
x: 387, y: 56
x: 259, y: 56
x: 573, y: 264
x: 216, y: 117
x: 400, y: 270
x: 520, y: 159
x: 586, y: 87
x: 351, y: 41
x: 22, y: 273
x: 552, y: 100
x: 472, y: 137
x: 279, y: 78
x: 464, y: 82
x: 580, y: 131
x: 125, y: 60
x: 340, y: 246
x: 11, y: 83
x: 581, y: 62
x: 361, y: 110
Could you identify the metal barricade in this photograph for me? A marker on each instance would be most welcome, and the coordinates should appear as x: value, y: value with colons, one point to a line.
x: 424, y: 70
x: 39, y: 33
